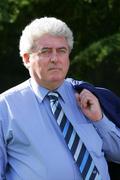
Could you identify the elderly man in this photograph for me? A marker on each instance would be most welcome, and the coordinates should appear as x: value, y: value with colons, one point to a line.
x: 47, y: 130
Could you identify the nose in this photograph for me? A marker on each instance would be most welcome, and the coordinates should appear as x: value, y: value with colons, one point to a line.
x: 53, y: 57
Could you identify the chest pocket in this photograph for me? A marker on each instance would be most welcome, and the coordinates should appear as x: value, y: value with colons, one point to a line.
x: 91, y: 138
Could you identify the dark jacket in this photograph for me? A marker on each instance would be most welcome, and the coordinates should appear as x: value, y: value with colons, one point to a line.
x: 109, y: 101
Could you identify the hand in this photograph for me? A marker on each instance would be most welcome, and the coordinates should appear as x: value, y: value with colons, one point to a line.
x: 89, y: 105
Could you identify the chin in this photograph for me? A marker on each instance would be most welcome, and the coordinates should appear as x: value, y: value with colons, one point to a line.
x: 56, y: 79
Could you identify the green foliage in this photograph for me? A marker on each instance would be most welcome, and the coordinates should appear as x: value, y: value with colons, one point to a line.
x: 99, y: 63
x: 96, y: 28
x: 98, y: 51
x: 9, y: 9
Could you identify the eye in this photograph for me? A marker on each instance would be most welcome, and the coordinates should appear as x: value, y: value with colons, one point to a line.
x: 45, y: 51
x: 62, y: 50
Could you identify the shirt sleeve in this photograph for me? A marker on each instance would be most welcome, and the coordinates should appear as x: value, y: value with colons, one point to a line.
x: 3, y: 157
x: 3, y: 154
x: 110, y: 135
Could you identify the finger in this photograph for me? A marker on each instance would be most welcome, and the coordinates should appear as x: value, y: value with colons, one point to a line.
x: 86, y: 92
x: 86, y: 102
x: 77, y: 98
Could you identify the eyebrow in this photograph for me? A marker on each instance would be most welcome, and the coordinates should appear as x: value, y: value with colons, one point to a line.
x: 53, y: 48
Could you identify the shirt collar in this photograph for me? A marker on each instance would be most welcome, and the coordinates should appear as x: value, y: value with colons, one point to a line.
x: 41, y: 92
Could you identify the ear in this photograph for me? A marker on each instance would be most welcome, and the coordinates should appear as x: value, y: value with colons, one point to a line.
x: 26, y: 58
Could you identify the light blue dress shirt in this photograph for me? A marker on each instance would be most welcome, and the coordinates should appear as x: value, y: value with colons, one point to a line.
x: 32, y: 146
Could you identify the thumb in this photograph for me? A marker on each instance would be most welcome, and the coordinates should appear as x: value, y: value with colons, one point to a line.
x: 77, y: 97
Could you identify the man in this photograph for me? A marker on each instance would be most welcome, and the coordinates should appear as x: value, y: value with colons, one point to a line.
x: 32, y: 145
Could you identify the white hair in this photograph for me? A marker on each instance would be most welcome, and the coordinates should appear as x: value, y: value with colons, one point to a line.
x: 41, y: 26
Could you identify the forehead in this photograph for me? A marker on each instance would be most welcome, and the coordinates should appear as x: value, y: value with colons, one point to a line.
x: 48, y: 40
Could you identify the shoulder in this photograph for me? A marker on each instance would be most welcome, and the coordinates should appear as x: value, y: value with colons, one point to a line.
x: 18, y: 89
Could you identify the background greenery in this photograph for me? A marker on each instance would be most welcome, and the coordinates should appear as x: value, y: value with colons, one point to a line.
x: 96, y: 27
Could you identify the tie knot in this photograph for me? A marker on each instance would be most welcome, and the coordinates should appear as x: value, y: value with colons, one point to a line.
x: 53, y: 96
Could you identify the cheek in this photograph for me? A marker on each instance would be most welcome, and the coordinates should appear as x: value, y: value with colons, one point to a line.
x: 67, y: 64
x: 36, y: 63
x: 41, y: 68
x: 36, y: 66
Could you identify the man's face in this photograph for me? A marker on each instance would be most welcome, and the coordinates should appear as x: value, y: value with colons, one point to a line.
x: 49, y: 64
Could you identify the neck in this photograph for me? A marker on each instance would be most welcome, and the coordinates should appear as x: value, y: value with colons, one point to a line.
x: 50, y: 85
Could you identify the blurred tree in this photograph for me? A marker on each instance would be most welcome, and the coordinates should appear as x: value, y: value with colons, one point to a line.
x: 96, y: 27
x: 99, y: 63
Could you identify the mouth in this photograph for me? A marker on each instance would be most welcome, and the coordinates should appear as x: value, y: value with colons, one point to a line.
x: 54, y: 69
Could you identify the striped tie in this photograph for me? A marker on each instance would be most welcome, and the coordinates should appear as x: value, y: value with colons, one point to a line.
x: 77, y: 148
